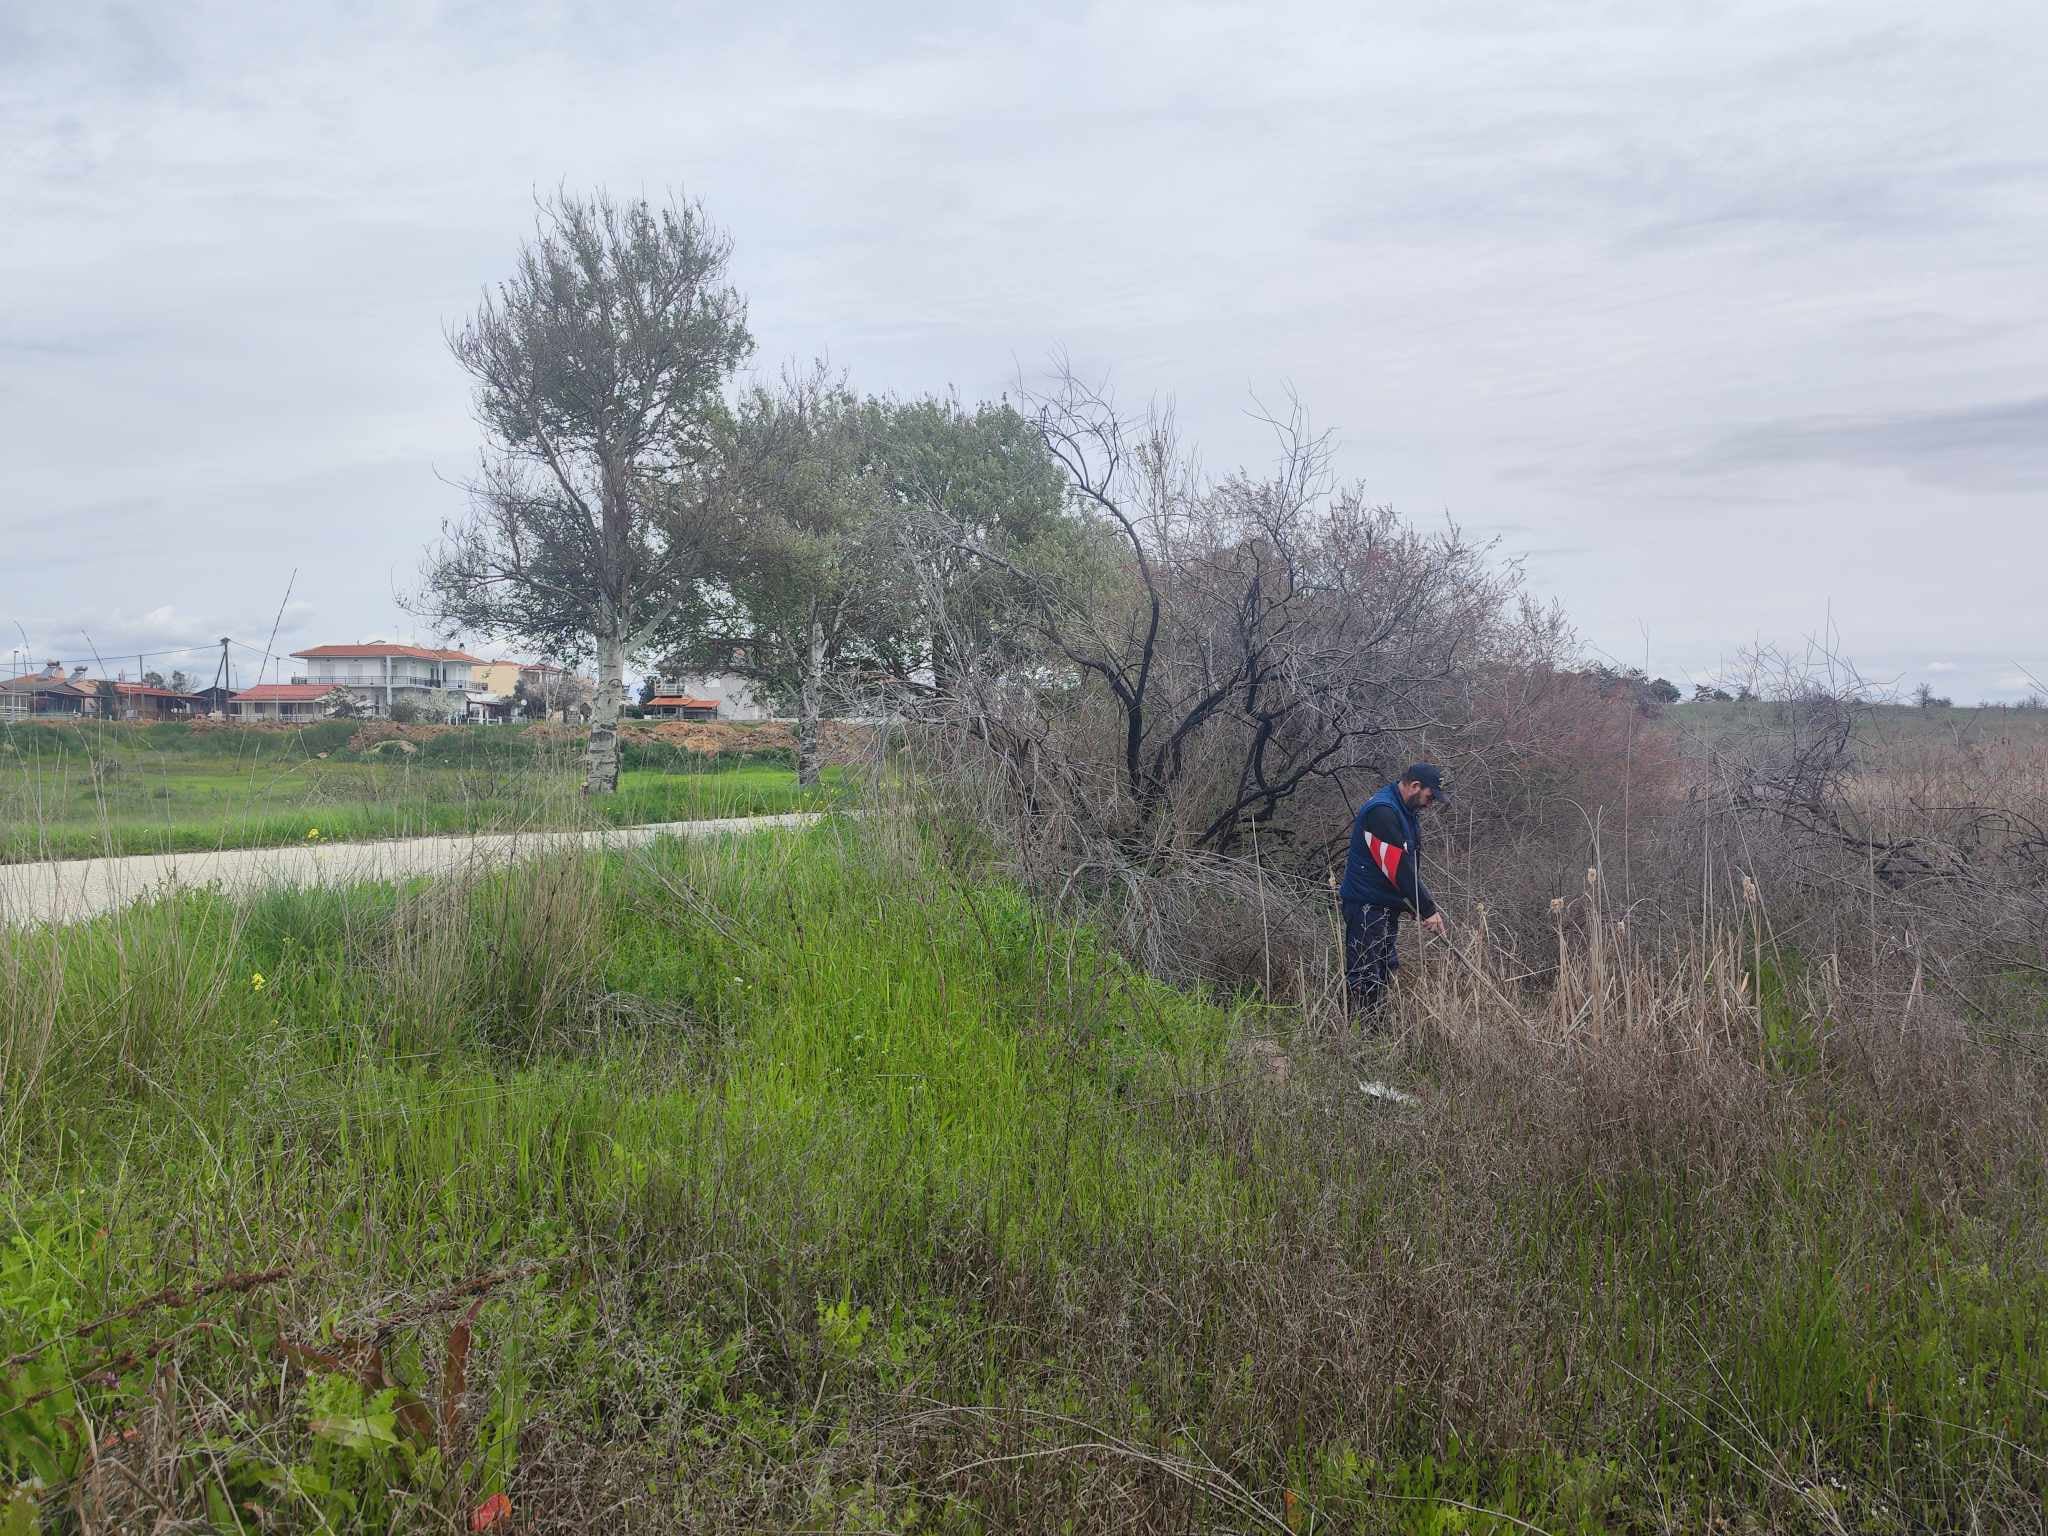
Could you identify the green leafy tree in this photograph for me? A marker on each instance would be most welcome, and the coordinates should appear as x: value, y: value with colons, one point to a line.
x: 979, y: 513
x: 806, y: 577
x: 600, y: 368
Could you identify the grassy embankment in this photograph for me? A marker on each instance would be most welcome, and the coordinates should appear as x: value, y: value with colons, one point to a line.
x: 92, y: 790
x: 810, y: 1182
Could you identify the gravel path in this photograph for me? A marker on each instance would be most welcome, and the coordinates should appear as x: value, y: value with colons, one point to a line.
x: 65, y: 890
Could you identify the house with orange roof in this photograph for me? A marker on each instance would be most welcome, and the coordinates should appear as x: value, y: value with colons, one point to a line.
x: 383, y: 673
x: 53, y: 692
x: 706, y: 696
x: 48, y: 692
x: 280, y: 701
x: 147, y: 701
x: 679, y: 706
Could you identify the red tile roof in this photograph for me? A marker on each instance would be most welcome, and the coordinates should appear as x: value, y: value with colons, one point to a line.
x: 282, y: 693
x: 90, y: 685
x: 371, y: 652
x: 676, y: 701
x: 44, y: 682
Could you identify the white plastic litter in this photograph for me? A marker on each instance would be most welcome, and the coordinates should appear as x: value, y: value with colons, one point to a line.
x: 1379, y: 1090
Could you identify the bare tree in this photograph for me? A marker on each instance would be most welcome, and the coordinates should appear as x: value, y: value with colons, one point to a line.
x: 1254, y: 640
x: 555, y: 692
x: 1177, y: 726
x: 1884, y: 844
x: 599, y: 370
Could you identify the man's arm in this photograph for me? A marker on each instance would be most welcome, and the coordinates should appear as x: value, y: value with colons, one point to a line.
x: 1395, y: 862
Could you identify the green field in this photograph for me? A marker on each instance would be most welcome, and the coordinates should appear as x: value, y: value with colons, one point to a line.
x: 85, y: 791
x: 813, y: 1182
x: 1883, y: 725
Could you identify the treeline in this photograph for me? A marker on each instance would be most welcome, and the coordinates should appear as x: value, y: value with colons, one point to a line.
x: 1142, y: 679
x: 631, y: 505
x: 1051, y: 585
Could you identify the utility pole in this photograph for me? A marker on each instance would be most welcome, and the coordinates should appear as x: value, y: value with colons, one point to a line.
x: 220, y: 675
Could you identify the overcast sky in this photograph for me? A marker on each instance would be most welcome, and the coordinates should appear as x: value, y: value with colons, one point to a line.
x: 1728, y: 318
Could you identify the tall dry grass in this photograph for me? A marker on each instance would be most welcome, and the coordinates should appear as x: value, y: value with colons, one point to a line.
x: 862, y: 1180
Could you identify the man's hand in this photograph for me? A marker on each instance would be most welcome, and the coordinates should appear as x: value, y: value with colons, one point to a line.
x: 1434, y: 923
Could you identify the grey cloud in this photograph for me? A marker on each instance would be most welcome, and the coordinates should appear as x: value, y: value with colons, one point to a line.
x: 1678, y: 147
x: 126, y: 43
x: 171, y: 635
x: 1927, y: 331
x: 1526, y: 257
x: 1875, y: 198
x: 1998, y: 446
x: 81, y: 535
x: 45, y: 346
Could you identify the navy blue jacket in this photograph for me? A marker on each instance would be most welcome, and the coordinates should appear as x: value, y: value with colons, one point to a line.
x: 1384, y: 868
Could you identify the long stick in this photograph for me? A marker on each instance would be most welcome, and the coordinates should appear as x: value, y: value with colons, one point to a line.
x: 1459, y: 955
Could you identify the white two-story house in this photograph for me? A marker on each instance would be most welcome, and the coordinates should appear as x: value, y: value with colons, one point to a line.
x: 383, y: 673
x: 708, y: 696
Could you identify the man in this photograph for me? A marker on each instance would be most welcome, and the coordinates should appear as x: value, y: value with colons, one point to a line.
x: 1383, y: 879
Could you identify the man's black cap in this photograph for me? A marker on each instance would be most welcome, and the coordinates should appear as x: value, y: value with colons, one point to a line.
x: 1430, y: 777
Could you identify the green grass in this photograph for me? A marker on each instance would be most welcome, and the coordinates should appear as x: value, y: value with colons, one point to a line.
x: 828, y: 1187
x: 83, y: 792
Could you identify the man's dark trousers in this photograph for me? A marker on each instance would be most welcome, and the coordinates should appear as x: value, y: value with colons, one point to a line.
x: 1371, y: 954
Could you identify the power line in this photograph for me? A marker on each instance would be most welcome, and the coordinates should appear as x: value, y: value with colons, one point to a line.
x: 42, y: 658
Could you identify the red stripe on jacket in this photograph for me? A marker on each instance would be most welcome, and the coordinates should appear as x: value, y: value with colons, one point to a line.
x: 1388, y: 856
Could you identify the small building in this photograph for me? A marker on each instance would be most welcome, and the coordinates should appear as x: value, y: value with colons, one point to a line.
x: 48, y: 692
x: 674, y: 706
x: 536, y: 688
x: 280, y: 701
x: 730, y: 696
x: 146, y: 701
x: 502, y: 676
x: 490, y: 708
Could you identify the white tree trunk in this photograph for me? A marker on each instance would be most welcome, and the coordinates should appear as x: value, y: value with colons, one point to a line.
x: 809, y: 703
x: 601, y: 763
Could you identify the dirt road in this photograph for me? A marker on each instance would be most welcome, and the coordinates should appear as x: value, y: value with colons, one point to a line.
x: 63, y: 891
